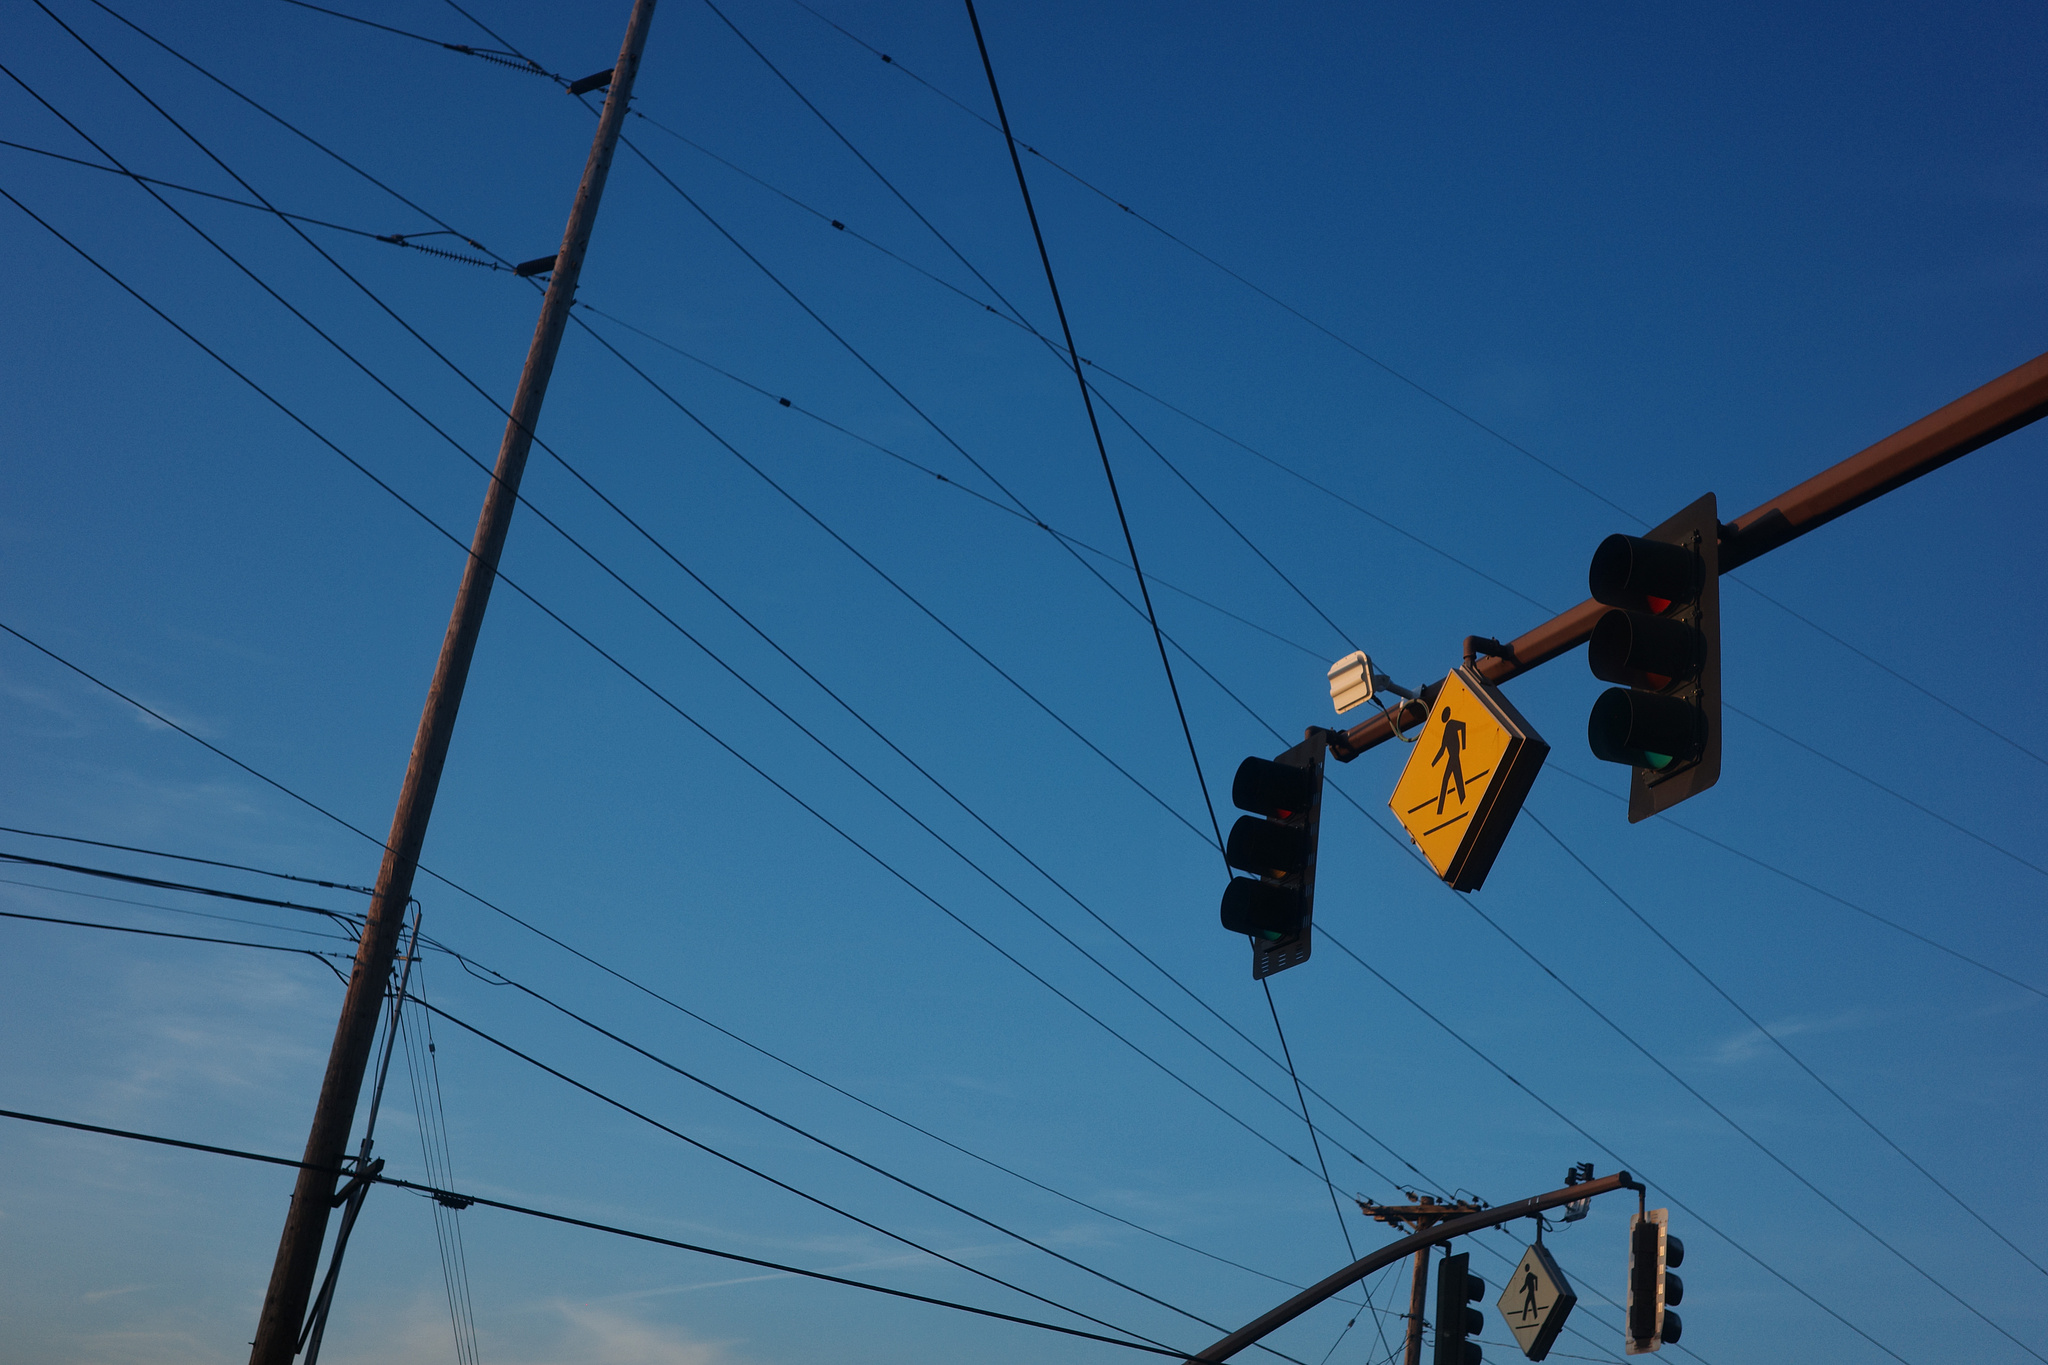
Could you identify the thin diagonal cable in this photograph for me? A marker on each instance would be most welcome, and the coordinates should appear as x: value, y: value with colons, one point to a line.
x: 992, y: 503
x: 1882, y: 666
x: 757, y: 1172
x: 1384, y: 366
x: 1019, y: 321
x: 1341, y: 340
x: 1619, y: 1160
x: 176, y: 910
x: 1052, y: 284
x: 165, y: 933
x: 615, y: 973
x: 1743, y: 1132
x: 616, y: 663
x: 1778, y: 1042
x: 186, y: 858
x: 1893, y: 792
x: 830, y: 1146
x: 134, y: 879
x: 1335, y: 1207
x: 1061, y: 886
x: 445, y: 1197
x: 873, y: 169
x: 295, y: 130
x: 1817, y: 890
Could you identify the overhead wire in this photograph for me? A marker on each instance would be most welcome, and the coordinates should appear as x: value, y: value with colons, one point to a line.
x: 514, y: 586
x: 757, y: 1172
x: 1777, y: 1041
x: 835, y: 1148
x: 459, y: 1199
x: 188, y: 858
x: 1384, y: 366
x: 174, y: 909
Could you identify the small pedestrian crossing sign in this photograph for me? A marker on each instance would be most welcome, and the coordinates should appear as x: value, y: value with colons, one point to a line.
x: 1536, y: 1302
x: 1466, y: 776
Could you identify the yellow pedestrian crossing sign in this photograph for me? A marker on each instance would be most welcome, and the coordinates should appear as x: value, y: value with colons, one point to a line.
x: 1466, y: 776
x: 1537, y: 1300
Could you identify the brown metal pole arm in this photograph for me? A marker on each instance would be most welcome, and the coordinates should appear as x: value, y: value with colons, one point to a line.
x: 1979, y: 417
x: 1396, y: 1251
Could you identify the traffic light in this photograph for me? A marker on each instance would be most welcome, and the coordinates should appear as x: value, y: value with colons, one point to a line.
x: 1652, y: 1288
x: 1662, y: 642
x: 1457, y: 1288
x: 1277, y: 845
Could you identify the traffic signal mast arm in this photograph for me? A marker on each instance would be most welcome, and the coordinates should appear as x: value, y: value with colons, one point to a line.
x: 2003, y: 406
x: 1407, y: 1246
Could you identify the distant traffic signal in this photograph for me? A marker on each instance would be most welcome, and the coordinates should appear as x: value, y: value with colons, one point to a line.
x: 1662, y: 642
x: 1457, y: 1288
x: 1277, y: 845
x: 1652, y: 1289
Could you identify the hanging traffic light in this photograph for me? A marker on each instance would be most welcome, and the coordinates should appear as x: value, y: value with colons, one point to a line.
x: 1662, y: 643
x: 1652, y: 1289
x: 1277, y: 845
x: 1457, y: 1288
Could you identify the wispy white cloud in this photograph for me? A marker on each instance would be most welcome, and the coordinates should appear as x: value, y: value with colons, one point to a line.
x: 1751, y: 1043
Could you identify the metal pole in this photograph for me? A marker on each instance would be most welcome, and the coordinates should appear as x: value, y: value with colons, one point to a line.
x: 298, y: 1250
x: 1418, y: 1295
x: 1978, y: 418
x: 1391, y: 1253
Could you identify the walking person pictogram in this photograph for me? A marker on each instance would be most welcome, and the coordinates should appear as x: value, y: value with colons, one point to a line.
x: 1452, y: 748
x: 1528, y: 1293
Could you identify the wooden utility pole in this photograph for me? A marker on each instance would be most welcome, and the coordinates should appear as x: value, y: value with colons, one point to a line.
x: 305, y: 1227
x: 1421, y: 1215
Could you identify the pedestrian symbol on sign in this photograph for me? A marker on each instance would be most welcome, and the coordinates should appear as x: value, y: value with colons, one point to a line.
x: 1536, y: 1302
x: 1451, y: 747
x: 1466, y: 778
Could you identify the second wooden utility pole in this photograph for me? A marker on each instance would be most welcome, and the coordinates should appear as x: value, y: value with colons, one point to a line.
x: 1424, y: 1213
x: 305, y: 1227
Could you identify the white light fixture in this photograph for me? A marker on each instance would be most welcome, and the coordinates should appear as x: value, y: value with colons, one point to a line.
x: 1354, y: 682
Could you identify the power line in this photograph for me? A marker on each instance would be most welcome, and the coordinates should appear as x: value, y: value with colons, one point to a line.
x: 456, y: 1199
x: 161, y: 885
x: 734, y: 1161
x: 187, y: 858
x: 1729, y: 1119
x: 1778, y: 1042
x: 830, y: 1146
x: 608, y: 657
x: 313, y: 953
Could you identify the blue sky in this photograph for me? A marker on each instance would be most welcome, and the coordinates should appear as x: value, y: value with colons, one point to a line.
x: 1657, y: 252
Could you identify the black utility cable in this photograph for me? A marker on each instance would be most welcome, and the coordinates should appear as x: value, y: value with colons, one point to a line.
x: 757, y: 1172
x: 1620, y: 1161
x: 1295, y: 1076
x: 186, y: 858
x: 608, y: 657
x: 162, y: 885
x: 1723, y: 1115
x: 175, y: 910
x: 314, y: 953
x: 1084, y: 906
x: 993, y: 503
x: 454, y: 1199
x: 297, y: 132
x: 875, y: 170
x: 833, y: 1147
x: 131, y: 291
x: 1776, y: 1041
x: 1817, y: 890
x: 1411, y: 383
